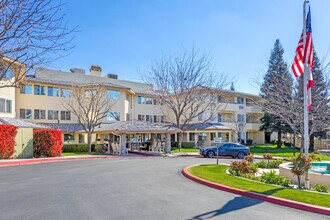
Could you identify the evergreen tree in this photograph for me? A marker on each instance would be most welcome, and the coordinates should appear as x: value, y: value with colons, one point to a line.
x: 277, y: 81
x: 319, y: 115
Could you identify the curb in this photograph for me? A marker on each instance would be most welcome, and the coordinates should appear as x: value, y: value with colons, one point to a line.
x: 50, y: 160
x: 141, y: 153
x: 271, y: 199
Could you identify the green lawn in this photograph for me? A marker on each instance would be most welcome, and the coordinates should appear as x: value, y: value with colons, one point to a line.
x: 65, y: 154
x: 217, y: 174
x: 283, y: 152
x: 185, y: 150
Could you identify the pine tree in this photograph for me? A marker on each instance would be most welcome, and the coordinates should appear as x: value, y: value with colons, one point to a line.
x: 277, y: 81
x: 319, y: 115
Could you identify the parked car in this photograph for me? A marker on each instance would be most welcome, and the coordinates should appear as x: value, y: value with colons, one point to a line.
x: 226, y: 149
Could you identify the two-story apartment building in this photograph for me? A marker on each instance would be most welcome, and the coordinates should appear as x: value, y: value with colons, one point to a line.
x: 42, y: 99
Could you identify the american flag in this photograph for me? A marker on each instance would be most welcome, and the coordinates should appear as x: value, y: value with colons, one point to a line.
x: 305, y: 56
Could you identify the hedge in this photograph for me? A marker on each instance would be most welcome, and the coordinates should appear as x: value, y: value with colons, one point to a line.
x: 183, y: 145
x: 47, y: 143
x: 75, y: 148
x: 7, y: 141
x: 81, y: 148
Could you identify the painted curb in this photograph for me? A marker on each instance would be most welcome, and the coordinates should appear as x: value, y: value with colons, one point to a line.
x: 141, y: 153
x: 271, y: 199
x: 50, y: 160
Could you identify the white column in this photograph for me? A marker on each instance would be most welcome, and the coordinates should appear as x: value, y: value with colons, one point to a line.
x: 123, y: 144
x: 168, y: 143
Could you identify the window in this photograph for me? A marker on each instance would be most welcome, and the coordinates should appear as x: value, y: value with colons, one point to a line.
x: 141, y: 100
x: 213, y: 97
x: 66, y: 93
x: 90, y: 92
x: 149, y: 118
x: 39, y: 90
x: 53, y: 91
x: 191, y: 136
x: 141, y: 117
x: 52, y: 115
x: 113, y: 116
x: 221, y: 118
x: 149, y: 101
x: 162, y: 119
x: 113, y: 94
x: 5, y: 106
x: 240, y: 100
x: 8, y: 74
x: 39, y: 114
x: 68, y: 137
x: 26, y: 89
x: 156, y: 119
x: 240, y: 118
x: 25, y: 113
x: 65, y: 115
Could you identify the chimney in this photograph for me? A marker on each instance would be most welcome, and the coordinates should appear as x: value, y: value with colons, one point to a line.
x: 77, y: 70
x: 112, y: 76
x: 95, y: 70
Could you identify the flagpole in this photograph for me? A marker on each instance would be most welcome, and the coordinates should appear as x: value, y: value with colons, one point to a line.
x: 305, y: 78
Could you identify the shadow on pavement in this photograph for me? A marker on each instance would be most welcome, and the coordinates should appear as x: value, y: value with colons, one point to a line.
x: 235, y: 204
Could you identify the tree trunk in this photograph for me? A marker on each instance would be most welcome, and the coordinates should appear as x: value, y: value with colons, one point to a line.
x: 311, y: 143
x: 89, y: 141
x: 279, y: 138
x: 298, y: 176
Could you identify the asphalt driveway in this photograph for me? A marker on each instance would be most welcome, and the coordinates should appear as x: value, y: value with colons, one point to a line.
x: 135, y: 188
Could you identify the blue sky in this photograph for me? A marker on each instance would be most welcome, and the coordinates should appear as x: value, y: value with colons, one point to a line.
x: 124, y: 36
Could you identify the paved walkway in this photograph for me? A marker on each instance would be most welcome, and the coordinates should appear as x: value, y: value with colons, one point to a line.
x: 128, y: 188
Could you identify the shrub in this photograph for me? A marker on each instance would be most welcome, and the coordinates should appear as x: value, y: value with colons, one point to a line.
x: 75, y: 148
x: 251, y: 177
x: 249, y: 158
x: 314, y: 157
x: 321, y: 188
x: 300, y: 166
x: 270, y: 165
x: 99, y: 148
x: 7, y: 141
x: 268, y: 156
x: 47, y: 143
x: 238, y: 168
x: 273, y: 178
x: 183, y: 145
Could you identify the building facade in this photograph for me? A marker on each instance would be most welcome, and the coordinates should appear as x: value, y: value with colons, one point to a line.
x: 42, y: 99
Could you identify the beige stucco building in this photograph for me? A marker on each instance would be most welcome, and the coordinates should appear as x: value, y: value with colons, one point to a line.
x: 42, y: 98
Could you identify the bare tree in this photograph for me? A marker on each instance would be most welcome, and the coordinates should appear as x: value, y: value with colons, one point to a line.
x: 91, y: 105
x: 32, y: 33
x: 238, y: 127
x: 187, y: 87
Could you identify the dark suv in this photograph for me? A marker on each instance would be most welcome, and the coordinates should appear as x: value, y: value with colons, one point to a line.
x: 226, y: 149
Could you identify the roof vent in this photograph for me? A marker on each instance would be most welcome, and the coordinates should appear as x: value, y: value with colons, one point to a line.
x: 112, y: 76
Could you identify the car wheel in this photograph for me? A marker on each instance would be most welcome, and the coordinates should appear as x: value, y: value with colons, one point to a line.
x: 210, y: 154
x: 240, y: 155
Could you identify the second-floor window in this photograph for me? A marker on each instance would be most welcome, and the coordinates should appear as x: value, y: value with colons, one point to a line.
x: 240, y: 118
x: 39, y: 90
x: 221, y: 118
x: 65, y: 115
x: 53, y: 91
x: 141, y: 118
x: 25, y: 113
x: 141, y: 100
x: 66, y: 93
x: 113, y: 116
x: 26, y: 89
x: 149, y: 101
x: 113, y: 94
x: 240, y: 100
x: 39, y: 114
x: 149, y: 118
x: 52, y: 115
x: 5, y: 106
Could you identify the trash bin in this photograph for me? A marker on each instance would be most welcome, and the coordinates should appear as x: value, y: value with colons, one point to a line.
x: 93, y: 147
x: 249, y: 142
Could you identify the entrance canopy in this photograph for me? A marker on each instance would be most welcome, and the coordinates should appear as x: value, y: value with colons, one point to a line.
x: 130, y: 127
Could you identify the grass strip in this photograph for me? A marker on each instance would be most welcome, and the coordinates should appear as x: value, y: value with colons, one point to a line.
x: 217, y: 174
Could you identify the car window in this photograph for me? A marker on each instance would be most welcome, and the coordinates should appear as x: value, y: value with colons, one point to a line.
x: 233, y: 146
